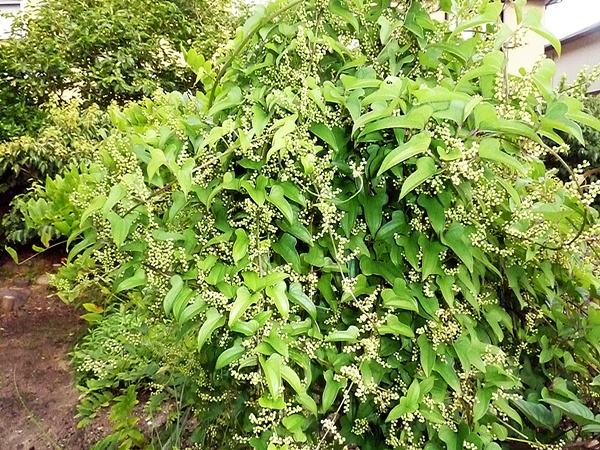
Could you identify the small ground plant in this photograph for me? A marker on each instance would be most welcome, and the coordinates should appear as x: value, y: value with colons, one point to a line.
x: 354, y: 233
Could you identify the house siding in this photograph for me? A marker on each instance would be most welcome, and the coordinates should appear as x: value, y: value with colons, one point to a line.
x: 578, y: 50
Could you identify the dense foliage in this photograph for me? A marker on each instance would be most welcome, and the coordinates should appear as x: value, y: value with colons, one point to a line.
x: 103, y: 51
x: 352, y: 238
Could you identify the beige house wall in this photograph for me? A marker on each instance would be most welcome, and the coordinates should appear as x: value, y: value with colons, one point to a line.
x: 533, y: 44
x: 577, y: 51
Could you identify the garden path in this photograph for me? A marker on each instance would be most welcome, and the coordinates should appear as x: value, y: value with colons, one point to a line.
x: 38, y: 396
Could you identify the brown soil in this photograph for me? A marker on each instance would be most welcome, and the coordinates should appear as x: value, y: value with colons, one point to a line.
x: 38, y: 396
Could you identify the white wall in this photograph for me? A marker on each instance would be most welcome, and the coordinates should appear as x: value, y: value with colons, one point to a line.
x: 576, y: 53
x: 10, y: 7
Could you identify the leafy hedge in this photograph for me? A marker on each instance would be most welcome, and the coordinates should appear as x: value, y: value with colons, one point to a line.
x: 354, y: 236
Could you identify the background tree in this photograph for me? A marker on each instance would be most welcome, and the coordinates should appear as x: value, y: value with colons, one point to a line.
x: 102, y: 51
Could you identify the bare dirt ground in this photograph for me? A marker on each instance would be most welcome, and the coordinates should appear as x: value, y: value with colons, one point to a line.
x: 38, y: 396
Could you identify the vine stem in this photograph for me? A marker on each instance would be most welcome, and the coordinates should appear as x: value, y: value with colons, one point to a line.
x: 40, y: 252
x: 243, y: 44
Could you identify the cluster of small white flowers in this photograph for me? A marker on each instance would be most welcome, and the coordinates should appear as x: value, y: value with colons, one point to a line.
x: 100, y: 368
x: 263, y: 420
x: 360, y: 426
x: 445, y: 330
x: 493, y: 356
x: 329, y: 430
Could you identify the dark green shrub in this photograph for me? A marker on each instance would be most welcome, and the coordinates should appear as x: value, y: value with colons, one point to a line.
x: 355, y: 234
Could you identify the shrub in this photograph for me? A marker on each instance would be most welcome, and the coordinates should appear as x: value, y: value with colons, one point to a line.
x: 354, y: 232
x: 70, y: 137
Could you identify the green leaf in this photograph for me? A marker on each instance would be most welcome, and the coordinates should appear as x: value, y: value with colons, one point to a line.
x: 294, y: 422
x: 176, y: 287
x: 277, y: 198
x: 230, y: 355
x: 395, y: 327
x: 120, y: 226
x: 158, y: 159
x: 427, y: 354
x: 538, y: 414
x: 117, y: 192
x: 349, y: 335
x: 337, y: 8
x: 284, y: 127
x: 272, y: 371
x: 482, y: 402
x: 184, y: 175
x: 297, y: 296
x: 277, y: 294
x: 13, y: 253
x: 456, y: 238
x: 373, y: 208
x: 331, y: 391
x: 408, y: 403
x: 426, y: 168
x: 308, y: 402
x: 559, y: 386
x: 490, y: 14
x: 292, y: 378
x: 532, y: 19
x: 138, y: 279
x: 404, y: 301
x: 96, y: 204
x: 248, y: 328
x: 242, y: 302
x: 259, y: 119
x: 449, y: 437
x: 418, y: 144
x: 192, y: 310
x: 448, y: 373
x: 439, y: 94
x: 490, y: 149
x: 240, y: 247
x: 431, y: 263
x: 416, y: 118
x: 435, y: 212
x: 214, y: 320
x: 286, y: 247
x: 575, y: 410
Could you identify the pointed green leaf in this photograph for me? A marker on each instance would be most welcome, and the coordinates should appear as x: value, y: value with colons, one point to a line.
x: 277, y: 294
x: 240, y: 247
x: 277, y: 198
x: 230, y: 355
x: 418, y: 144
x: 272, y: 371
x: 242, y: 302
x: 456, y: 238
x: 425, y: 169
x: 214, y: 320
x: 297, y: 296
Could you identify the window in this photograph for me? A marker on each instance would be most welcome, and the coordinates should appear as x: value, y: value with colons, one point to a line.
x: 7, y: 7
